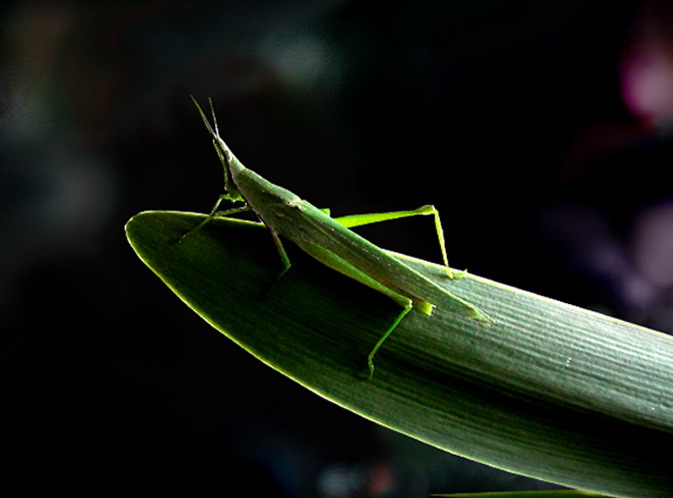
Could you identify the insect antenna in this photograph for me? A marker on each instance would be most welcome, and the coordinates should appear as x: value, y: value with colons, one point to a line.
x: 212, y: 111
x: 203, y: 116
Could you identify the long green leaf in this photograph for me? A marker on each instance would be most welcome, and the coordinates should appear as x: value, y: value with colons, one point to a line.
x: 551, y: 391
x: 526, y: 494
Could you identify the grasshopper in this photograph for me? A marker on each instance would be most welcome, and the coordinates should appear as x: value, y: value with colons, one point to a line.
x: 331, y: 242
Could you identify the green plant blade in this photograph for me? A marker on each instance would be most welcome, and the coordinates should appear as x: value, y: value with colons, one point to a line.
x: 551, y: 391
x: 526, y: 494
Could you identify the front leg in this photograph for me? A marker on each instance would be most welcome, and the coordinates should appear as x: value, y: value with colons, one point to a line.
x: 214, y: 213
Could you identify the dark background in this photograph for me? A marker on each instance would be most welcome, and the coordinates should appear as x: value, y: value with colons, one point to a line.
x: 540, y: 129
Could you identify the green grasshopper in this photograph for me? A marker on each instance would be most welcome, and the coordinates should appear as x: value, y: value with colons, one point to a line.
x: 330, y: 240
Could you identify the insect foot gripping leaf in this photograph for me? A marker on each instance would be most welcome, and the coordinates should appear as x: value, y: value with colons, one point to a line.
x: 553, y: 391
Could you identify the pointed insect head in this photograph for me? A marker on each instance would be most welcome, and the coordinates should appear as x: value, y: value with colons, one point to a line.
x: 222, y: 150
